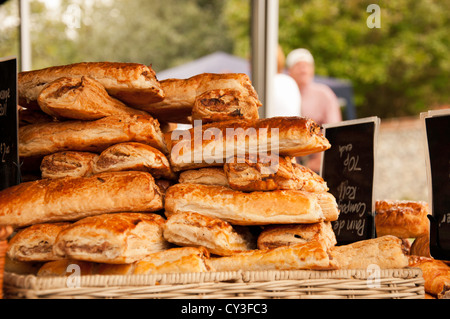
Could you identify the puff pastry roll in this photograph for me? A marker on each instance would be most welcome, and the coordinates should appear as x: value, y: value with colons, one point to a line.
x: 404, y: 219
x: 239, y: 208
x: 80, y: 99
x: 214, y: 143
x: 386, y: 252
x: 310, y: 255
x: 119, y: 238
x: 68, y: 164
x: 216, y: 235
x: 89, y: 136
x: 247, y: 174
x: 35, y: 243
x: 73, y: 198
x: 133, y: 156
x: 182, y: 94
x: 223, y: 105
x: 274, y: 236
x: 66, y: 267
x: 206, y: 176
x: 132, y: 83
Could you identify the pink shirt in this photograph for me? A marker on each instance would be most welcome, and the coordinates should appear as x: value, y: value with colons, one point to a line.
x: 320, y: 104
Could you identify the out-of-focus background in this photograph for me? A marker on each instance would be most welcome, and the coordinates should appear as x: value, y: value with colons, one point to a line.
x: 394, y: 71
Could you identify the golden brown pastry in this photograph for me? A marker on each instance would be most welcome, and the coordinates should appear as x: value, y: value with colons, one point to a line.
x: 68, y: 164
x: 286, y: 235
x: 214, y: 143
x: 216, y: 235
x: 80, y: 99
x: 73, y: 198
x: 89, y: 136
x: 35, y: 243
x: 436, y: 274
x: 421, y: 246
x: 386, y: 252
x: 181, y: 94
x: 27, y: 117
x: 132, y: 156
x: 67, y: 267
x: 206, y: 176
x: 239, y: 208
x: 225, y: 104
x: 132, y: 83
x: 404, y: 219
x: 310, y: 255
x: 119, y: 238
x: 21, y: 267
x: 248, y: 174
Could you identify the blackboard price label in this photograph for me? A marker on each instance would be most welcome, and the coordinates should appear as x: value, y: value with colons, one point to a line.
x: 9, y: 159
x: 348, y: 167
x: 436, y: 126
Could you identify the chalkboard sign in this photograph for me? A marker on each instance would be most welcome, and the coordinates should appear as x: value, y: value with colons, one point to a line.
x: 9, y: 162
x: 437, y: 141
x: 348, y: 167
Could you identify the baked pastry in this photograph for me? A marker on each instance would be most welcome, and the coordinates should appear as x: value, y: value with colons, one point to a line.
x: 274, y: 236
x: 436, y: 275
x: 386, y: 252
x: 80, y: 99
x: 421, y: 246
x: 21, y: 267
x: 404, y: 219
x: 35, y: 243
x: 310, y: 255
x: 67, y: 267
x: 225, y: 104
x: 27, y: 117
x: 68, y: 164
x: 132, y: 83
x: 73, y: 198
x: 181, y: 94
x: 133, y: 156
x: 216, y: 235
x: 206, y: 176
x: 239, y: 208
x: 249, y: 174
x: 214, y: 143
x: 89, y: 136
x: 119, y: 238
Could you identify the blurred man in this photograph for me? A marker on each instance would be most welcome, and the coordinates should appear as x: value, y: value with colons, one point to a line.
x: 319, y: 102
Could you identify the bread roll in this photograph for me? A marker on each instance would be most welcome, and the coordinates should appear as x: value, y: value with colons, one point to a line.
x: 181, y: 94
x: 68, y: 164
x: 386, y: 252
x: 132, y: 156
x: 287, y: 235
x: 239, y: 208
x: 436, y: 274
x: 223, y: 105
x: 132, y: 83
x: 73, y: 198
x: 404, y: 219
x: 89, y: 136
x: 216, y: 235
x: 214, y: 143
x: 206, y: 176
x: 35, y: 243
x: 310, y: 255
x: 247, y: 174
x: 119, y: 238
x: 80, y: 99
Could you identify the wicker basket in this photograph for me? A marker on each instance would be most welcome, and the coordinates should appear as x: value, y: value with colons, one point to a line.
x: 405, y: 283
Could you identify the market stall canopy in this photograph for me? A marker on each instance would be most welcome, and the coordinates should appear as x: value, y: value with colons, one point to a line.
x: 222, y: 62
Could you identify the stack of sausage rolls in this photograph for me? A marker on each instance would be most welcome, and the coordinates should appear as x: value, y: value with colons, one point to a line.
x: 118, y: 194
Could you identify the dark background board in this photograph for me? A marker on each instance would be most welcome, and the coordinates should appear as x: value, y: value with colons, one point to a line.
x: 9, y: 167
x: 437, y: 130
x: 348, y: 167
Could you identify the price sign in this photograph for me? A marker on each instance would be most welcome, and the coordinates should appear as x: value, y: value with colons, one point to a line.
x: 9, y: 161
x: 437, y: 145
x: 348, y: 167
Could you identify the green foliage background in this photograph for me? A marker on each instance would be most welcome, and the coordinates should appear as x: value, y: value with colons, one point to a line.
x: 400, y: 69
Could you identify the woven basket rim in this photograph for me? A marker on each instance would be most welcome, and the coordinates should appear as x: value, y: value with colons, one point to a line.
x: 60, y: 282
